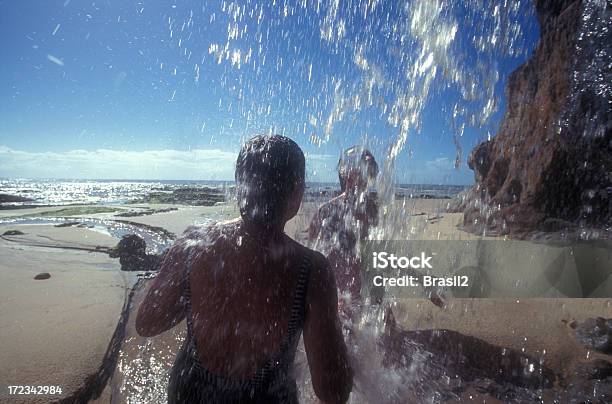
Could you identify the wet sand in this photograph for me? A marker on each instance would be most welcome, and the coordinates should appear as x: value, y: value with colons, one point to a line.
x: 58, y: 330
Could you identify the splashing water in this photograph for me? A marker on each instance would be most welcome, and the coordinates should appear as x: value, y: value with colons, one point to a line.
x: 329, y: 71
x: 324, y: 69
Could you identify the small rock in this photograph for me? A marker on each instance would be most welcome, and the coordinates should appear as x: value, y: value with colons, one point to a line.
x: 13, y: 233
x: 596, y: 333
x: 42, y: 276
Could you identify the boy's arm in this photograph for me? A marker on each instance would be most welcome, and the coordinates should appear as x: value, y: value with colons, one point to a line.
x: 163, y: 308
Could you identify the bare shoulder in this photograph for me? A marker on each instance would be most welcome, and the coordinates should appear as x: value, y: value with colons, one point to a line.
x: 316, y: 261
x: 321, y: 276
x: 210, y: 235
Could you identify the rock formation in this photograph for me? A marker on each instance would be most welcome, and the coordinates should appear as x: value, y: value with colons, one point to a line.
x: 13, y: 233
x: 550, y: 165
x: 488, y: 368
x: 131, y: 251
x: 196, y: 196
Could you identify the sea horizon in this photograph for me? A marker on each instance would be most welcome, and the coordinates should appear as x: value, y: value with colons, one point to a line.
x: 203, y: 181
x: 51, y: 191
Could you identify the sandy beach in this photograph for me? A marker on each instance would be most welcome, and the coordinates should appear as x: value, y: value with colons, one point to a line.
x: 57, y: 331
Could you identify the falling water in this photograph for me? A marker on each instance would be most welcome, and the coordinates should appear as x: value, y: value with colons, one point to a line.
x: 328, y: 71
x: 318, y: 70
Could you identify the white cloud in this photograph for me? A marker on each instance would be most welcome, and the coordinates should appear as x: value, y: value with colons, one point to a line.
x: 440, y: 163
x: 115, y: 164
x: 197, y: 164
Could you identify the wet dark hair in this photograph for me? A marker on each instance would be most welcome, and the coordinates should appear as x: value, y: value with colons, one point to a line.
x: 359, y: 159
x: 268, y: 171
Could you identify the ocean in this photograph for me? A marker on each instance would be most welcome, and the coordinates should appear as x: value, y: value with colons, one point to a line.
x: 44, y: 192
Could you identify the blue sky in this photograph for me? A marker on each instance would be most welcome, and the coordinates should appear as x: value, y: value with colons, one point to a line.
x: 169, y: 90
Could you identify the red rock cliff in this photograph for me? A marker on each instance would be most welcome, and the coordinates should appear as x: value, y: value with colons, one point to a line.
x: 550, y: 163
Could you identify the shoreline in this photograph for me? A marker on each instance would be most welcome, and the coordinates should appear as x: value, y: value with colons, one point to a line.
x: 56, y: 331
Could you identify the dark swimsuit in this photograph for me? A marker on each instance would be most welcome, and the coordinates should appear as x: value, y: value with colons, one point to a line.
x: 190, y: 382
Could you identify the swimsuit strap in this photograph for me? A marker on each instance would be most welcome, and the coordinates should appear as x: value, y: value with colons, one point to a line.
x: 187, y: 297
x: 296, y: 320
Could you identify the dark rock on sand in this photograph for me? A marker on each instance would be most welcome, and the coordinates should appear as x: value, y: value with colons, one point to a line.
x: 196, y: 196
x: 13, y: 233
x: 131, y: 251
x: 42, y: 276
x: 552, y: 156
x: 595, y: 333
x: 7, y: 198
x: 488, y: 368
